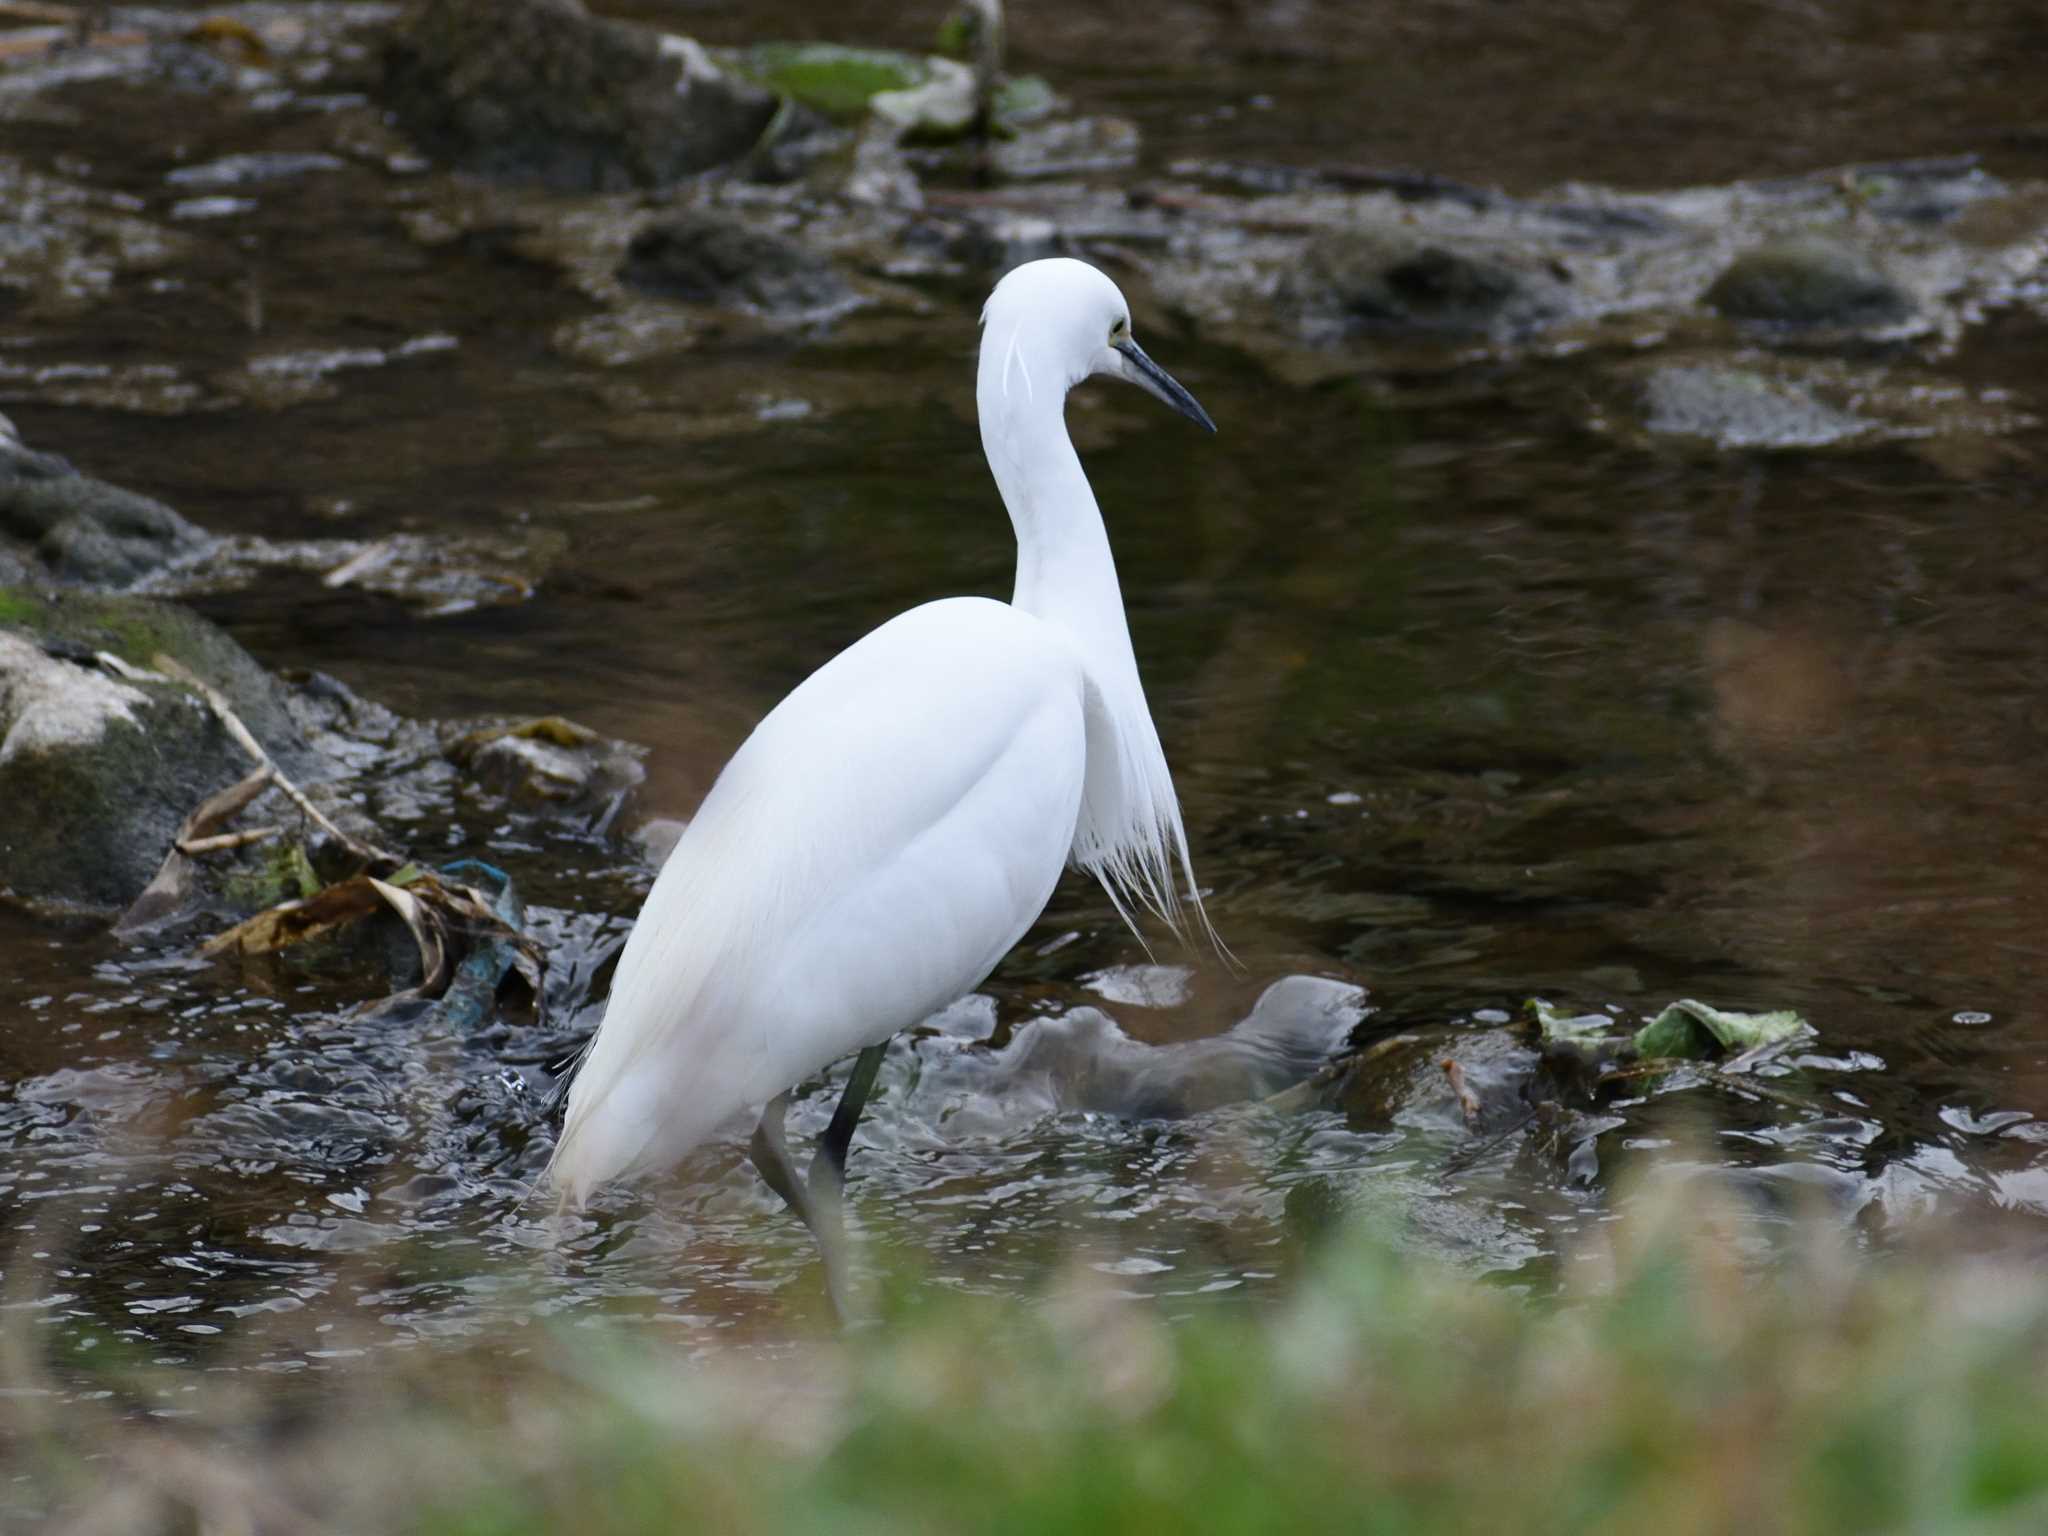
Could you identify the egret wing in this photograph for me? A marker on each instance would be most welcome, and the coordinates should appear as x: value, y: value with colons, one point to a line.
x: 876, y: 845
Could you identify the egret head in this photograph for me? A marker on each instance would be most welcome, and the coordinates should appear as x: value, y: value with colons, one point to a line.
x: 1067, y: 315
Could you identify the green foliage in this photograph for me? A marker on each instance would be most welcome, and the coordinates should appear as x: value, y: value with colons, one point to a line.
x: 1677, y: 1389
x: 18, y: 607
x: 1684, y: 1029
x: 1689, y: 1028
x: 830, y: 78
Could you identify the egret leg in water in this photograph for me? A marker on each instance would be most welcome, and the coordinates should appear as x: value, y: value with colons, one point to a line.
x: 819, y: 1200
x: 895, y: 824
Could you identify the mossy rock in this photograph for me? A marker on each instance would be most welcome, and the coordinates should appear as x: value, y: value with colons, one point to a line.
x: 96, y: 771
x: 139, y: 629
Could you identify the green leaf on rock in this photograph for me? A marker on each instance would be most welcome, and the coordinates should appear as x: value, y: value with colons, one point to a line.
x: 924, y: 97
x: 830, y: 78
x: 1694, y: 1029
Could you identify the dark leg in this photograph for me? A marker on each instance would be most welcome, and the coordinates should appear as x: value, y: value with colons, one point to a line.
x: 827, y: 1183
x: 770, y: 1153
x: 816, y: 1201
x: 838, y: 1135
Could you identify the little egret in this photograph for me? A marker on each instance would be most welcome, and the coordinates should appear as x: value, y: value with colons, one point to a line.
x: 897, y: 822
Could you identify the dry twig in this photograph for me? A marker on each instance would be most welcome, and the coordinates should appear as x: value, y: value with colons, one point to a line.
x: 193, y: 847
x: 356, y: 564
x: 370, y: 853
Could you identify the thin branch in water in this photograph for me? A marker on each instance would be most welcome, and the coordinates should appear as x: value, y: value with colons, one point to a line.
x: 370, y: 853
x: 192, y: 847
x: 363, y: 560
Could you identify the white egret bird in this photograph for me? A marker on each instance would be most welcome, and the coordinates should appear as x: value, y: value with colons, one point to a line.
x: 897, y: 822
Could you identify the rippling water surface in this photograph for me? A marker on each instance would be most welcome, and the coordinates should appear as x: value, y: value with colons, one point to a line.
x: 1468, y: 701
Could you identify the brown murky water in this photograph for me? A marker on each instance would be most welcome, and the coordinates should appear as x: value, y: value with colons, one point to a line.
x: 1468, y: 700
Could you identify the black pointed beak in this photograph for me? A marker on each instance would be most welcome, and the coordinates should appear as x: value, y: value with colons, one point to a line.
x: 1155, y: 380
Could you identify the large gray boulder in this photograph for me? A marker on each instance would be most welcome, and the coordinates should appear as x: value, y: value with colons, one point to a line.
x: 98, y: 769
x: 540, y: 90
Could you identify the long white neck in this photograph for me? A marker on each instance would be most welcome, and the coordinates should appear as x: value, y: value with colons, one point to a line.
x: 1130, y: 835
x: 1065, y: 573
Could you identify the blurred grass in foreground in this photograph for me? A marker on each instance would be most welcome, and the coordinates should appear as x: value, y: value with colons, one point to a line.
x: 1681, y: 1385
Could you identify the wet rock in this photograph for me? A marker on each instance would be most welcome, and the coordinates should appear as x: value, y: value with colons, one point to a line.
x: 63, y: 246
x: 84, y: 530
x: 139, y: 629
x: 1398, y: 280
x: 1075, y: 147
x: 706, y: 257
x: 145, y: 389
x: 549, y: 761
x: 434, y: 576
x: 1004, y: 240
x: 1740, y: 408
x: 1809, y: 281
x: 1757, y: 399
x: 1083, y: 1060
x: 249, y: 169
x: 1406, y: 1080
x: 541, y: 90
x: 109, y: 766
x: 89, y: 531
x: 656, y: 838
x: 184, y: 67
x: 1313, y: 270
x: 631, y: 335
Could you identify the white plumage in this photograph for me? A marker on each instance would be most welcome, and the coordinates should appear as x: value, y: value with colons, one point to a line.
x: 897, y: 822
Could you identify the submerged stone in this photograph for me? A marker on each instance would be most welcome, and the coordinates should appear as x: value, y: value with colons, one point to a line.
x: 1808, y: 281
x: 1739, y: 408
x: 1393, y: 279
x: 1083, y: 1060
x: 710, y: 258
x: 541, y: 90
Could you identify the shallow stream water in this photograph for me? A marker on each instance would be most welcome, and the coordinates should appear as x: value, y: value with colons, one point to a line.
x: 1468, y: 699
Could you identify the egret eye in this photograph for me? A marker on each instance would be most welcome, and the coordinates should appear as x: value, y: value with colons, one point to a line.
x: 1118, y: 331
